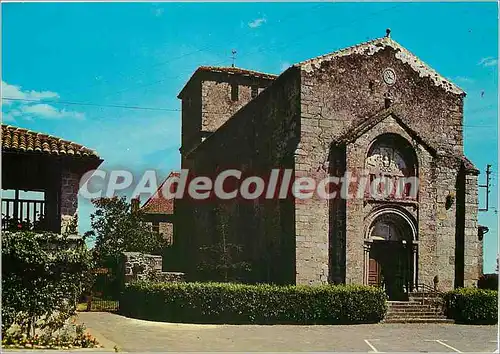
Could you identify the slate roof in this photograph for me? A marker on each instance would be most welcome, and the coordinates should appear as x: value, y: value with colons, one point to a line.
x: 24, y: 140
x: 157, y: 203
x: 228, y: 70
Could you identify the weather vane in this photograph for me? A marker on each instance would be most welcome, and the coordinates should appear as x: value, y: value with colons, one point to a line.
x: 233, y: 57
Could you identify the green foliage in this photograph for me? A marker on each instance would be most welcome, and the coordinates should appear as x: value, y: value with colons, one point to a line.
x: 472, y: 306
x: 265, y: 304
x: 42, y: 276
x: 488, y: 281
x: 117, y: 228
x: 14, y: 224
x: 221, y: 262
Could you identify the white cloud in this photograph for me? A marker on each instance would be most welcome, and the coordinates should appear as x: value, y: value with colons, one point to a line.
x: 16, y: 92
x: 159, y: 12
x: 257, y: 23
x: 488, y: 61
x: 47, y: 111
x: 29, y: 105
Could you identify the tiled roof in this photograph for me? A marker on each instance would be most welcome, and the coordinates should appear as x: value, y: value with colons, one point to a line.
x: 157, y: 203
x: 228, y: 70
x: 404, y: 55
x: 237, y: 71
x: 24, y: 140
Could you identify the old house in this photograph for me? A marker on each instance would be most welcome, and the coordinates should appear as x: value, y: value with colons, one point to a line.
x: 371, y: 107
x: 41, y: 176
x: 158, y: 211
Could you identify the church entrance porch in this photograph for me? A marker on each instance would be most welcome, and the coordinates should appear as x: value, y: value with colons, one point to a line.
x: 391, y: 254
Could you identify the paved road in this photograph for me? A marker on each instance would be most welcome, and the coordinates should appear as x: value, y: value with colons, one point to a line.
x: 133, y: 335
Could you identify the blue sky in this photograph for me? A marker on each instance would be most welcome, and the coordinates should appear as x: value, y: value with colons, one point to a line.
x: 141, y: 54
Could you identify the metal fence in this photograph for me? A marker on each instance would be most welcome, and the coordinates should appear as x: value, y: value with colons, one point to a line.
x: 105, y: 291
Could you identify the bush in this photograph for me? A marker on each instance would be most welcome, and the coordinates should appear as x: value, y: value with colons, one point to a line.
x: 488, y: 281
x: 42, y: 276
x: 262, y: 304
x: 472, y: 306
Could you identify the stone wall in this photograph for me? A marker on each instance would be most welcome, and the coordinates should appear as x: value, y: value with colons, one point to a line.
x: 260, y: 136
x: 338, y: 95
x: 166, y: 229
x: 305, y: 120
x: 208, y: 102
x: 473, y: 247
x: 70, y: 182
x: 140, y: 266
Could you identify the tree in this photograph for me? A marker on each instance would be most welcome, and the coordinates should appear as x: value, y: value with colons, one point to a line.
x: 223, y: 261
x: 117, y: 229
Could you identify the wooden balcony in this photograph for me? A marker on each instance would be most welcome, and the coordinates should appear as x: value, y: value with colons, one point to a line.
x: 23, y: 213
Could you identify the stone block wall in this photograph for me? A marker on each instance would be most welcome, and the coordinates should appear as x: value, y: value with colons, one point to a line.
x: 167, y: 230
x: 444, y: 254
x: 141, y: 266
x: 339, y: 94
x: 70, y: 183
x: 208, y: 102
x: 259, y: 137
x: 473, y: 247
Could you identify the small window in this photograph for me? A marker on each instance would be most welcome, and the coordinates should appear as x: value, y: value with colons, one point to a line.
x: 234, y: 92
x: 156, y: 228
x: 255, y: 91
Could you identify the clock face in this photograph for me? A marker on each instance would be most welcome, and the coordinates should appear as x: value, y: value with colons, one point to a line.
x: 389, y: 76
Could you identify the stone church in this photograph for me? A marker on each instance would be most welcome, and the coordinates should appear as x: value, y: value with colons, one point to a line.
x: 370, y: 107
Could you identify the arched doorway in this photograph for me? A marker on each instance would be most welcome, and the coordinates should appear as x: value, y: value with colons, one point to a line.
x: 391, y: 253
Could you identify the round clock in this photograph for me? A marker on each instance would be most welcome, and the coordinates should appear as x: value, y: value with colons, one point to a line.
x: 389, y: 76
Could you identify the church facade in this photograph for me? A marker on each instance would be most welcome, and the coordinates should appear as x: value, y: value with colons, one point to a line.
x: 373, y: 109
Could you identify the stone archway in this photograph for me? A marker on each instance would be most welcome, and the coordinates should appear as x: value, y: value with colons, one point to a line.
x: 391, y: 252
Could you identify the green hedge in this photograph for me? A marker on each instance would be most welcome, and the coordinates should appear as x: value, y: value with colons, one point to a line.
x: 263, y: 304
x: 471, y: 305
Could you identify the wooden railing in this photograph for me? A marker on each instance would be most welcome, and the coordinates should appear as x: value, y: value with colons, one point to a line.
x: 22, y: 211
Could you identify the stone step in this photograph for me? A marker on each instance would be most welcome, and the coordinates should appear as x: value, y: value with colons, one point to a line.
x: 415, y: 315
x: 418, y: 320
x: 423, y: 293
x: 411, y: 303
x: 414, y: 311
x: 412, y: 306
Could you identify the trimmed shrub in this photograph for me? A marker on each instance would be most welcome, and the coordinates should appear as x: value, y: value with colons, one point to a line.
x: 259, y: 304
x: 472, y: 306
x: 488, y: 281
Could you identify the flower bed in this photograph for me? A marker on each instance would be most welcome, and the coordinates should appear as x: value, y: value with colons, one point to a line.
x: 69, y: 335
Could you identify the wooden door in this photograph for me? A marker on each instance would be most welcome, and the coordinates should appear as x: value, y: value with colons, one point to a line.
x: 373, y: 272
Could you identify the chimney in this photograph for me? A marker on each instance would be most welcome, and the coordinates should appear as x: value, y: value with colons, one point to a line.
x: 135, y: 202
